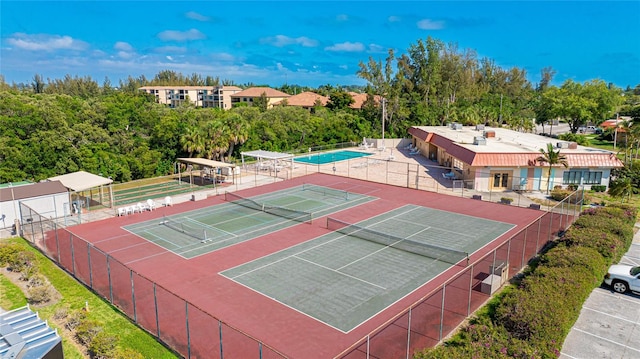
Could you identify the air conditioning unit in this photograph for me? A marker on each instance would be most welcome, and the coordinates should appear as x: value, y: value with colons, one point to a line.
x: 562, y: 145
x: 480, y: 141
x: 456, y: 126
x: 479, y: 127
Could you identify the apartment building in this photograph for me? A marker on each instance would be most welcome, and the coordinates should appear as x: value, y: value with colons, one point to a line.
x: 200, y: 96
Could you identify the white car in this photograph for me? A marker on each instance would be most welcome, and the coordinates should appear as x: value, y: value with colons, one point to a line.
x: 623, y: 278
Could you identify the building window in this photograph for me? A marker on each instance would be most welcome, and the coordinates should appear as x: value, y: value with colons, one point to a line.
x: 588, y: 177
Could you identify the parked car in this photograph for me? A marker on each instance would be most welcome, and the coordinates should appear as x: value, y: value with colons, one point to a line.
x: 623, y: 278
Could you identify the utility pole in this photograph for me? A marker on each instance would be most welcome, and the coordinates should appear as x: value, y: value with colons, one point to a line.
x: 384, y: 117
x: 500, y: 115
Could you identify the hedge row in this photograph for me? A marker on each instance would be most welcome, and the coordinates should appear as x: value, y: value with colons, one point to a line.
x: 532, y: 316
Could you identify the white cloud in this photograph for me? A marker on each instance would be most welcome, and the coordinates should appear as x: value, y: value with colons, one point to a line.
x: 282, y: 40
x: 428, y: 24
x: 125, y: 54
x: 196, y: 16
x: 223, y: 56
x: 45, y: 42
x: 346, y: 47
x: 169, y: 58
x: 393, y: 18
x: 376, y: 48
x: 344, y: 67
x: 123, y: 46
x: 173, y: 35
x: 342, y: 17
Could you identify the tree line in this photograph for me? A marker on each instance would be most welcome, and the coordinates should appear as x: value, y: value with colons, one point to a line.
x: 63, y: 125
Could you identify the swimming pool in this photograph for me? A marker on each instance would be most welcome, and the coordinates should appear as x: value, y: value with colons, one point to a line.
x: 324, y: 158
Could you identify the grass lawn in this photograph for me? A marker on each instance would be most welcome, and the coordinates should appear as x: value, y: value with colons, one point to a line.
x: 74, y: 297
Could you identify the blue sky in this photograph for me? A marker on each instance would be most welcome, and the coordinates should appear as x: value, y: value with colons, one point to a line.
x: 311, y: 42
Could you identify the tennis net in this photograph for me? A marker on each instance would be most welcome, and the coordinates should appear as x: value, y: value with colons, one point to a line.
x: 197, y: 233
x: 427, y: 250
x: 326, y: 190
x: 288, y: 213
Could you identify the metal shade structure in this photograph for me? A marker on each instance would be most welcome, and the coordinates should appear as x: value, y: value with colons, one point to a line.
x: 209, y: 167
x: 262, y: 155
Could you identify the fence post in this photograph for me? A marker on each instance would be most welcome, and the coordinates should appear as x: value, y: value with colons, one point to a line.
x: 408, y: 335
x: 220, y: 331
x: 73, y: 256
x: 133, y: 298
x: 155, y: 304
x: 444, y: 288
x: 89, y: 262
x: 186, y: 312
x: 109, y: 277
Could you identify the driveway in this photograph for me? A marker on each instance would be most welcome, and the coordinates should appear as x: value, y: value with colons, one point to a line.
x: 609, y: 323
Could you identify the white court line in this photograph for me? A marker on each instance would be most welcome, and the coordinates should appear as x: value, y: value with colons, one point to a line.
x: 337, y: 271
x: 606, y: 339
x: 112, y: 238
x: 147, y: 257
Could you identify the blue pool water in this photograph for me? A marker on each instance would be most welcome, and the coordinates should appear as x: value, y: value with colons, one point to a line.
x: 324, y: 158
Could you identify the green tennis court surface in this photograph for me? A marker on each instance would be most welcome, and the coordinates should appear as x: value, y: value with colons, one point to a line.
x: 343, y: 280
x: 198, y: 232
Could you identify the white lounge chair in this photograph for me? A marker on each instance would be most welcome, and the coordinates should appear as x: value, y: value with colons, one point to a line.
x: 167, y: 201
x: 122, y: 211
x: 151, y: 205
x: 139, y: 207
x: 130, y: 209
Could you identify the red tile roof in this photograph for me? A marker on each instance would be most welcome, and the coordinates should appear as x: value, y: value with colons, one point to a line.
x: 258, y: 91
x: 508, y: 159
x: 360, y: 98
x: 305, y: 99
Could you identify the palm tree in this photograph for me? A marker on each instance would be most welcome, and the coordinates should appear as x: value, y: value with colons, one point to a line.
x: 239, y: 130
x: 551, y: 158
x: 192, y: 141
x: 621, y: 188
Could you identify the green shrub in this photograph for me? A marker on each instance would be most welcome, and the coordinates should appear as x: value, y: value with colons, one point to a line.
x: 75, y: 319
x: 102, y: 345
x: 598, y: 188
x: 15, y: 259
x: 40, y: 294
x: 526, y: 313
x: 127, y: 353
x: 8, y: 253
x: 609, y: 245
x: 87, y: 330
x: 572, y: 197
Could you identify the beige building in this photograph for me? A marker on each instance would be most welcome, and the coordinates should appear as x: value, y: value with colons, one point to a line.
x: 250, y: 94
x: 200, y: 96
x: 498, y: 159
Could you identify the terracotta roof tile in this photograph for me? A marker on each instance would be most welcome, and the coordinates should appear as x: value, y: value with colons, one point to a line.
x: 306, y: 99
x: 258, y: 91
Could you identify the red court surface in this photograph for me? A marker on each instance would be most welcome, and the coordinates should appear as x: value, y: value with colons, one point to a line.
x: 291, y: 333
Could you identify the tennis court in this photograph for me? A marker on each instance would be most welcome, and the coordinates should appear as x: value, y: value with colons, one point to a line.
x: 191, y: 234
x: 349, y: 275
